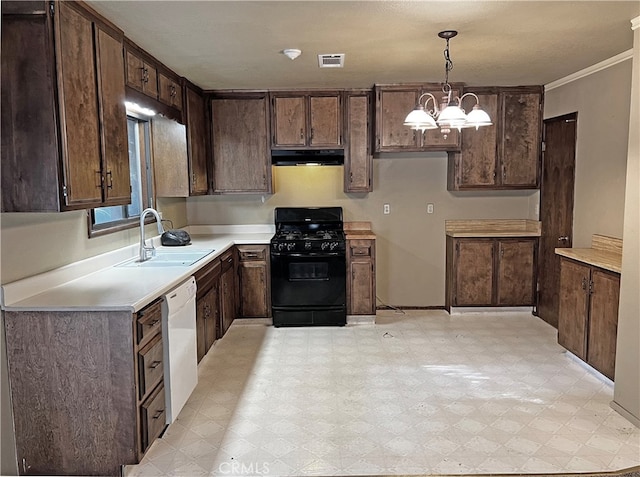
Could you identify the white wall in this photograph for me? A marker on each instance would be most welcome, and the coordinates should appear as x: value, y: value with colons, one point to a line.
x: 602, y: 102
x: 626, y: 396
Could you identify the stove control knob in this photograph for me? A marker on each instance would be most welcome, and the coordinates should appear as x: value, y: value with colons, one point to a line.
x: 291, y: 246
x: 307, y: 245
x: 333, y: 245
x: 281, y: 246
x: 324, y: 245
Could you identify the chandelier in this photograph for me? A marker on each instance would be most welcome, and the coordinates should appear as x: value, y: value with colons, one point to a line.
x: 449, y: 113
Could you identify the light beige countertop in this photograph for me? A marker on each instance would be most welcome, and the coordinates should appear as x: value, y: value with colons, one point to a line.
x: 605, y: 252
x: 493, y: 228
x: 99, y: 284
x: 359, y: 230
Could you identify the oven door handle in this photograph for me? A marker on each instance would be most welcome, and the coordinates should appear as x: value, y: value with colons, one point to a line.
x: 309, y: 255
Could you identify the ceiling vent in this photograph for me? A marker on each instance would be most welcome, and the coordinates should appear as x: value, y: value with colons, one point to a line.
x: 331, y: 60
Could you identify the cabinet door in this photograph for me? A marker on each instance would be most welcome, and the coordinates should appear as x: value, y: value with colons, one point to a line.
x: 211, y: 312
x: 113, y: 119
x: 253, y: 290
x: 516, y: 272
x: 435, y: 139
x: 476, y: 166
x: 473, y: 273
x: 227, y: 293
x: 30, y: 177
x: 170, y: 158
x: 358, y: 161
x: 201, y: 304
x: 520, y: 154
x: 135, y: 71
x: 196, y: 142
x: 169, y: 91
x: 241, y: 156
x: 289, y: 121
x: 572, y: 316
x: 603, y: 321
x: 391, y: 110
x: 78, y: 96
x: 325, y: 121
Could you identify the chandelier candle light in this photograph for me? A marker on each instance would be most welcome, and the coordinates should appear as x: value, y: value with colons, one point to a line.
x: 450, y: 114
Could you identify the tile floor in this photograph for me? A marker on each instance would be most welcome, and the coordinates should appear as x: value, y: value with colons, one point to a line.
x: 419, y: 393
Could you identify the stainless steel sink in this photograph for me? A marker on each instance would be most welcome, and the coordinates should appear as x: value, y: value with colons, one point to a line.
x: 165, y: 258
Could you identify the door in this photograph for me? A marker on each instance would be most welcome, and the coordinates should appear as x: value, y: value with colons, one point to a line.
x: 197, y: 142
x: 556, y: 209
x: 358, y: 162
x: 253, y: 289
x: 574, y: 296
x: 290, y: 121
x: 326, y: 124
x: 392, y: 134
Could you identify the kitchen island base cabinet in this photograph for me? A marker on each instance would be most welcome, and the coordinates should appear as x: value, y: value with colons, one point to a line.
x: 588, y: 314
x: 490, y: 272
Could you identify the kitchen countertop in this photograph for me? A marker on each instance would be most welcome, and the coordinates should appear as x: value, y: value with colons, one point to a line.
x: 605, y: 252
x: 358, y: 230
x: 493, y: 228
x: 107, y: 287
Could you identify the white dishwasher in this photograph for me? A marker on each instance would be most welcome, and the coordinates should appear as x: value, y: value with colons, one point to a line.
x: 180, y: 346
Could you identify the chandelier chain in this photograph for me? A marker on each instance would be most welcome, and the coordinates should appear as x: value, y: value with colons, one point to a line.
x: 448, y: 66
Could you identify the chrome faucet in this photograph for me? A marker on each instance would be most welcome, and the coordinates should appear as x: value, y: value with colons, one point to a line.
x: 146, y: 252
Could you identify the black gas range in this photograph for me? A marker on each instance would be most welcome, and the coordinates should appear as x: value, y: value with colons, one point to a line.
x: 308, y: 267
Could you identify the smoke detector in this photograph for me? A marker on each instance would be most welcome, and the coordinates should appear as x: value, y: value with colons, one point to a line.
x: 291, y: 53
x: 333, y: 60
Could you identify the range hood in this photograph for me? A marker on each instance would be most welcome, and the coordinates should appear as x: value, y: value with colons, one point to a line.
x: 325, y: 157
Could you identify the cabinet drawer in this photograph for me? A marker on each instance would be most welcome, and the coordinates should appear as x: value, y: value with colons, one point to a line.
x: 360, y: 248
x: 149, y: 322
x: 252, y: 254
x: 206, y: 276
x: 150, y: 365
x: 152, y: 417
x: 226, y: 259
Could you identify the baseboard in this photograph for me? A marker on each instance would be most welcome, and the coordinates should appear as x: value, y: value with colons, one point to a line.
x: 361, y: 319
x: 490, y: 309
x: 253, y: 321
x: 409, y: 307
x: 624, y: 413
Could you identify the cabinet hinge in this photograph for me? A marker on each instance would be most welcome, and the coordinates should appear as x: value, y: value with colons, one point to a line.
x: 52, y: 7
x: 458, y: 249
x: 544, y: 146
x: 64, y: 191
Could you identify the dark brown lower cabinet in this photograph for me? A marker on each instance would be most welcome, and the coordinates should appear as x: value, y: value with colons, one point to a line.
x: 228, y: 285
x: 87, y: 388
x: 207, y: 306
x: 490, y: 271
x: 361, y: 277
x: 588, y: 316
x: 254, y: 277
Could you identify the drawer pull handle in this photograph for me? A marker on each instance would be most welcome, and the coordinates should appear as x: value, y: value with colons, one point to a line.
x: 157, y: 414
x: 155, y: 364
x: 252, y: 255
x: 154, y: 322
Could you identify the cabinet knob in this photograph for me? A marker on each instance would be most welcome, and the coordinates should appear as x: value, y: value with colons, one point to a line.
x: 155, y: 364
x: 110, y: 180
x: 301, y: 133
x: 584, y: 283
x: 564, y: 238
x: 157, y: 414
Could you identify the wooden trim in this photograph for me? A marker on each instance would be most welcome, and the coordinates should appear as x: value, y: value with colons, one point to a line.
x: 486, y: 227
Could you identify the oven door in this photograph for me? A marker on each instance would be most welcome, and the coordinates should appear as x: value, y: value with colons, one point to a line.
x: 308, y: 280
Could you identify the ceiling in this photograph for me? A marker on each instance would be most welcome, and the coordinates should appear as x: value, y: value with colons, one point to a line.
x: 238, y: 44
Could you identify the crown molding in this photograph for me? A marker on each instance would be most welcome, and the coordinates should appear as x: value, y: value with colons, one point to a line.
x: 635, y: 23
x: 614, y: 60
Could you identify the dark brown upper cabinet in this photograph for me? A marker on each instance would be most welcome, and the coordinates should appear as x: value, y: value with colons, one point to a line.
x: 170, y: 90
x: 358, y: 160
x: 64, y: 127
x: 393, y: 103
x: 240, y: 143
x: 306, y: 120
x: 197, y: 134
x: 141, y: 73
x: 507, y: 154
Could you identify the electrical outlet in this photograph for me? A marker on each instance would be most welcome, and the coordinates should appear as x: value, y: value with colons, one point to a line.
x: 429, y: 208
x: 386, y: 209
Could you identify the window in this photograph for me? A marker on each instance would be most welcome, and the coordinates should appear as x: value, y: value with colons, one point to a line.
x: 103, y: 220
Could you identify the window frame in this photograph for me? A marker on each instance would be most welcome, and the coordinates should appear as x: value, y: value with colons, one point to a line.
x: 146, y: 178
